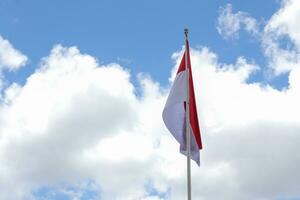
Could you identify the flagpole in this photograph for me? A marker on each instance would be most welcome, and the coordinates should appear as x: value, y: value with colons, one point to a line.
x: 188, y: 134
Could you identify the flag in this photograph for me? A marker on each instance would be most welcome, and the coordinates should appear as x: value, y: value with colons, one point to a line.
x: 174, y: 112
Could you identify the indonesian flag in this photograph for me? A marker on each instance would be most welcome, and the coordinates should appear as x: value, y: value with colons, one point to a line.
x: 174, y: 113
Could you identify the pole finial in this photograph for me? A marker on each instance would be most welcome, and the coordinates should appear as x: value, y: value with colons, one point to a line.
x: 186, y: 32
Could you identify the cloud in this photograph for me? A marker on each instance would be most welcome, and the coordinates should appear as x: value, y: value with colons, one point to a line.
x: 74, y: 120
x: 77, y: 126
x: 281, y: 38
x: 65, y: 108
x: 229, y: 23
x: 10, y: 58
x: 285, y: 20
x: 83, y: 190
x: 249, y: 131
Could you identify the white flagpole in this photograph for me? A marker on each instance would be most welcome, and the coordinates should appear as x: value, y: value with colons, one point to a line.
x: 188, y: 133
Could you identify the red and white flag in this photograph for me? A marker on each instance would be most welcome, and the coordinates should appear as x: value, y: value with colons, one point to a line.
x: 174, y: 113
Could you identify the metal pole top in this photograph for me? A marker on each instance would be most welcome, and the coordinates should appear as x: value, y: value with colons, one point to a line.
x: 186, y: 32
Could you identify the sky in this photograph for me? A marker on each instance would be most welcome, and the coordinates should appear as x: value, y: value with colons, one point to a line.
x: 83, y: 85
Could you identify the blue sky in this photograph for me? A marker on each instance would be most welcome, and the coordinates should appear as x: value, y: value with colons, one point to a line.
x: 83, y: 85
x: 140, y: 35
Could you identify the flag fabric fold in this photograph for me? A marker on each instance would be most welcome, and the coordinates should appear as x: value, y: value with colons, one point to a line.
x: 174, y: 112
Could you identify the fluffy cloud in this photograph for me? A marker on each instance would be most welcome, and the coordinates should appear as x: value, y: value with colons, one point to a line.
x: 250, y: 132
x: 229, y: 23
x: 10, y: 57
x: 77, y: 127
x: 279, y: 38
x: 65, y: 108
x: 285, y: 21
x: 74, y: 120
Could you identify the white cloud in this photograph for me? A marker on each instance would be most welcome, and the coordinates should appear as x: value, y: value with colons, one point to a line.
x: 65, y: 108
x: 10, y: 57
x: 74, y: 120
x: 249, y: 131
x: 78, y: 191
x: 229, y: 23
x: 285, y: 21
x: 281, y: 38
